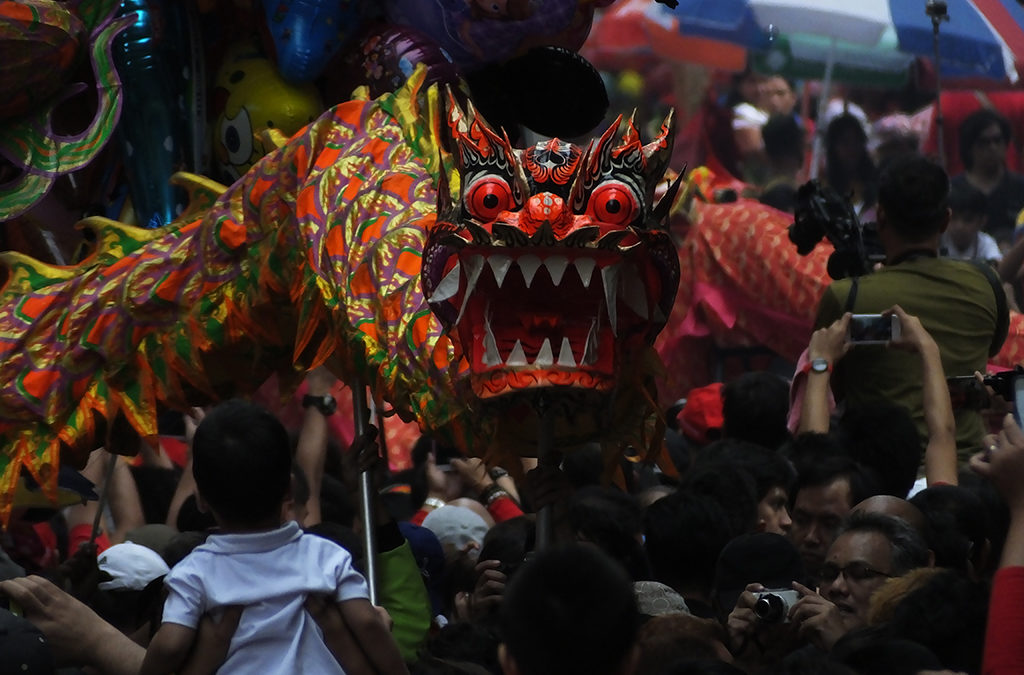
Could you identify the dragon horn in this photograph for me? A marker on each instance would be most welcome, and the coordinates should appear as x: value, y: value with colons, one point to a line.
x: 662, y: 211
x: 658, y: 151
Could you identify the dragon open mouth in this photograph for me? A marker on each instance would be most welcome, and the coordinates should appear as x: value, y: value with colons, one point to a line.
x: 524, y: 318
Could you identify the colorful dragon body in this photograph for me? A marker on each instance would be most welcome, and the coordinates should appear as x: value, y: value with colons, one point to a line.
x: 314, y: 256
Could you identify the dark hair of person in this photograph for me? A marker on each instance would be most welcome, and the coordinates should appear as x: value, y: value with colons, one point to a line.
x: 768, y: 468
x: 973, y: 126
x: 862, y: 482
x: 754, y: 407
x: 612, y: 520
x: 948, y: 615
x: 783, y: 137
x: 965, y: 200
x: 511, y: 542
x: 732, y: 487
x: 958, y: 522
x: 671, y: 638
x: 883, y: 437
x: 869, y: 652
x: 913, y: 190
x: 998, y: 515
x: 460, y: 643
x: 242, y: 460
x: 570, y: 610
x: 907, y: 548
x: 685, y: 533
x: 709, y: 666
x: 840, y: 178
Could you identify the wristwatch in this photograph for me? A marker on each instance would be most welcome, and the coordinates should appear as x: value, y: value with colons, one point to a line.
x: 325, y: 404
x: 818, y: 365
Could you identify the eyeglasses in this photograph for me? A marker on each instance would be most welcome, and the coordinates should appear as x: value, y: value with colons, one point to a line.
x: 853, y: 572
x: 990, y: 140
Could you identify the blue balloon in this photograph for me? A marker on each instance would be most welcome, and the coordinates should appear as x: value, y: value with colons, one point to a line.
x: 308, y: 33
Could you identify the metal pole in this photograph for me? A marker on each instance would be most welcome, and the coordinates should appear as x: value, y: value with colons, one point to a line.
x: 939, y: 121
x: 819, y: 133
x: 545, y: 450
x: 362, y: 417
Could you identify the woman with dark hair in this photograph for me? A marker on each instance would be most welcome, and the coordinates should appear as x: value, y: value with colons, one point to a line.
x: 849, y: 169
x: 984, y: 137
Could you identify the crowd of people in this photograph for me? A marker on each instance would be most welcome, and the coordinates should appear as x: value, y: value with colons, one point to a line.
x: 845, y: 519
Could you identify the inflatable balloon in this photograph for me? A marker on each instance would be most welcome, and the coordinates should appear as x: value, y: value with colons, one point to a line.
x: 251, y: 96
x: 382, y: 58
x: 305, y: 34
x: 480, y: 32
x: 151, y: 57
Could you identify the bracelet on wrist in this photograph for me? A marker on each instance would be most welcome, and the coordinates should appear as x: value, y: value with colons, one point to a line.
x: 492, y: 493
x: 497, y: 472
x: 433, y: 502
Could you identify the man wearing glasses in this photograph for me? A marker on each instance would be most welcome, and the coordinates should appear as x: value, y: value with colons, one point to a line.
x: 869, y: 549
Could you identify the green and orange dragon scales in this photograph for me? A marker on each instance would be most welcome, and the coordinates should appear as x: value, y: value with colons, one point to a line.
x: 456, y: 284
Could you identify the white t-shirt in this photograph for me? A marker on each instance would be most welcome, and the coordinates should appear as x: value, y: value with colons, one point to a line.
x: 983, y: 249
x: 271, y: 574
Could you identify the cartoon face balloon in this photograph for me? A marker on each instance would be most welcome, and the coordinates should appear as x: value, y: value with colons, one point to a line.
x: 250, y: 97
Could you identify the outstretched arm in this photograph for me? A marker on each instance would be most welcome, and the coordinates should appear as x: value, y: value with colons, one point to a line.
x: 940, y: 462
x: 168, y: 649
x: 829, y: 344
x: 372, y: 635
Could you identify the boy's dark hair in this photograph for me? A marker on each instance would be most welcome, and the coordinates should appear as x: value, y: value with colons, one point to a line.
x: 570, y: 610
x: 913, y: 191
x: 783, y: 137
x: 511, y: 542
x: 975, y: 125
x: 242, y: 462
x: 966, y: 200
x: 754, y: 407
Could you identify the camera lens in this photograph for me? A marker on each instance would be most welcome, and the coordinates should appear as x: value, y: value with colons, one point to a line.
x: 770, y: 608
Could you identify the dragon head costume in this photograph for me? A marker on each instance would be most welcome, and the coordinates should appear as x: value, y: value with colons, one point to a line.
x: 347, y: 247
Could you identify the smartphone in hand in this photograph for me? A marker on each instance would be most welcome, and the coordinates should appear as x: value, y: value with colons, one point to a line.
x: 873, y: 329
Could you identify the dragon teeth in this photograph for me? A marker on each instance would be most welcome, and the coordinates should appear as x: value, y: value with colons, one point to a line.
x: 529, y: 264
x: 565, y: 356
x: 545, y: 357
x: 500, y: 265
x: 585, y: 268
x: 590, y: 351
x: 474, y: 265
x: 491, y: 355
x: 517, y: 357
x: 610, y: 278
x: 448, y: 286
x: 556, y: 265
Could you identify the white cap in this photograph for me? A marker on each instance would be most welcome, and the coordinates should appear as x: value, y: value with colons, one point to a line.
x: 132, y: 567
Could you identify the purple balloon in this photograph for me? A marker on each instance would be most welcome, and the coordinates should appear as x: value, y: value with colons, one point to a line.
x: 477, y: 33
x: 383, y: 58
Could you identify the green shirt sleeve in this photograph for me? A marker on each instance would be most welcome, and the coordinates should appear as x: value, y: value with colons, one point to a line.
x: 404, y: 595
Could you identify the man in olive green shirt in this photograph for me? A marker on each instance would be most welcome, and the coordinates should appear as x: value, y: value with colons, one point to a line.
x: 960, y: 304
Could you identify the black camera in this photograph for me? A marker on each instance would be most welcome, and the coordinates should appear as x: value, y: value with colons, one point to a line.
x: 773, y: 605
x: 821, y: 213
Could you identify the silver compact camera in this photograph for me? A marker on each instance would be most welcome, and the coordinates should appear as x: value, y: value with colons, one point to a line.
x: 773, y: 605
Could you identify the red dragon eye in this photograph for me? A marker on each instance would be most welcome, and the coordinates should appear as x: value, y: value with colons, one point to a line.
x: 613, y: 203
x: 488, y: 197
